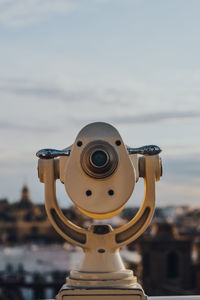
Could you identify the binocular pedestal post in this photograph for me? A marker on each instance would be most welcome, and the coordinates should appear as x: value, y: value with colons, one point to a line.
x: 102, y: 274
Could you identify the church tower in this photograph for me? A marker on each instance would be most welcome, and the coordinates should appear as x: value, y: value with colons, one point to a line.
x: 25, y: 200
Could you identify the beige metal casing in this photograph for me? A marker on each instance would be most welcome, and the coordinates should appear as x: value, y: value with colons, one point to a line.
x: 99, y: 204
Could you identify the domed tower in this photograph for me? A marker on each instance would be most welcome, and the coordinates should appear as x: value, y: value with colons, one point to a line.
x: 25, y: 200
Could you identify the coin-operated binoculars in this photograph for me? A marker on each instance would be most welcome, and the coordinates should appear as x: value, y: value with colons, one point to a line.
x: 99, y: 173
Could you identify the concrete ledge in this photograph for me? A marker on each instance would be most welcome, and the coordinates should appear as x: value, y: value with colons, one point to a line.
x: 196, y: 297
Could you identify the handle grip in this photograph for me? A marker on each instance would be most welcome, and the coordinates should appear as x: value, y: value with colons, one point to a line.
x: 52, y: 153
x: 145, y: 150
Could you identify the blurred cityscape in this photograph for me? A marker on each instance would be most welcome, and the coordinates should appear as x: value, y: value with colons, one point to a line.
x: 35, y: 260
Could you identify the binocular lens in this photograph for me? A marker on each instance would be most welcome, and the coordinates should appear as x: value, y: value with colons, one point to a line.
x: 99, y: 158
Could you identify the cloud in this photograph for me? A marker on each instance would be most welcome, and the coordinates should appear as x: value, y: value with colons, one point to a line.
x: 42, y: 91
x: 145, y: 118
x: 50, y: 91
x: 177, y: 193
x: 25, y: 127
x: 19, y: 13
x: 182, y: 171
x: 155, y: 117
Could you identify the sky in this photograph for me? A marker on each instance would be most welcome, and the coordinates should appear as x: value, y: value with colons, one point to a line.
x: 132, y: 63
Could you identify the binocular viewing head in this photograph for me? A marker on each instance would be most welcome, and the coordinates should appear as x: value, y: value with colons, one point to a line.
x: 99, y: 172
x: 99, y: 162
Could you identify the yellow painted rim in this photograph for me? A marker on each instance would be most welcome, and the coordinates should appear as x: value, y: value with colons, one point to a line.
x: 103, y: 215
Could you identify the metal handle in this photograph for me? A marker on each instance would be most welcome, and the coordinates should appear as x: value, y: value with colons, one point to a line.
x: 145, y: 150
x: 52, y: 153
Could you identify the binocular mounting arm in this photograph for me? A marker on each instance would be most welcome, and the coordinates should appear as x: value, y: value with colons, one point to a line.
x: 149, y: 169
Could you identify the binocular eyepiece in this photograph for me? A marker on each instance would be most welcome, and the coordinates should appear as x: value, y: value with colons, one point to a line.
x: 99, y: 159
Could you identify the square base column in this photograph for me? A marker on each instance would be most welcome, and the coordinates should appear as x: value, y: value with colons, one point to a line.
x: 101, y: 294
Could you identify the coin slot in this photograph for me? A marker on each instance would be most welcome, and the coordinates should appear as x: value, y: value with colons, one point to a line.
x: 101, y: 250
